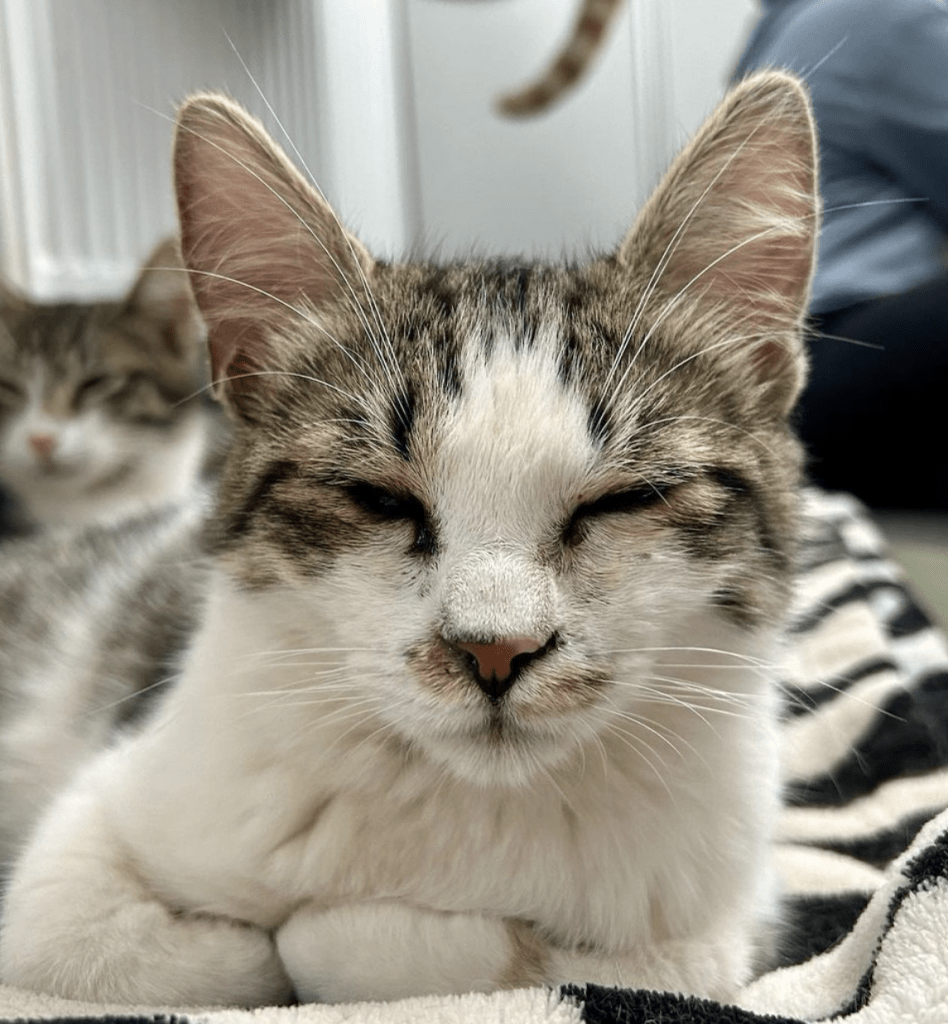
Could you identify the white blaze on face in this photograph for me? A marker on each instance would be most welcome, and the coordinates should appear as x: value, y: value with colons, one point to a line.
x: 515, y: 451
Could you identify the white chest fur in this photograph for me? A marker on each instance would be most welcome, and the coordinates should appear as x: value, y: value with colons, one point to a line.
x: 252, y: 794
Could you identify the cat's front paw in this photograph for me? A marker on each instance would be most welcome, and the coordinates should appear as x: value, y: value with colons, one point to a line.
x: 78, y: 922
x: 143, y: 952
x: 385, y: 951
x: 710, y: 969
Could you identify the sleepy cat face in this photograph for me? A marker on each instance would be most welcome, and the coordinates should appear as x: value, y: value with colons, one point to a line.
x: 516, y: 507
x: 495, y: 528
x: 90, y: 392
x: 64, y: 409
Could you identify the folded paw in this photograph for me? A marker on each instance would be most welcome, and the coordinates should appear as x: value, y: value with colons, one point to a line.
x: 135, y: 950
x: 383, y: 951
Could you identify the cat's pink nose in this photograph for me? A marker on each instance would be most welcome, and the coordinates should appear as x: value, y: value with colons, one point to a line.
x: 42, y: 444
x: 495, y: 660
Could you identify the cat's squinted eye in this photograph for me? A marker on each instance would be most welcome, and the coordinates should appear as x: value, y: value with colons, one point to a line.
x: 628, y: 501
x: 729, y: 479
x: 633, y: 499
x: 395, y: 507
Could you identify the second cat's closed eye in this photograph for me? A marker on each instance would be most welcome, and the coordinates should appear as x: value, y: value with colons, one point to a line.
x: 99, y: 387
x: 10, y: 393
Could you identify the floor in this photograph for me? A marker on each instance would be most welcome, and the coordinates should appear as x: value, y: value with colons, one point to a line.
x: 919, y: 543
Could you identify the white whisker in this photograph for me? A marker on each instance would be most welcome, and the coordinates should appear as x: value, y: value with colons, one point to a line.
x: 635, y: 743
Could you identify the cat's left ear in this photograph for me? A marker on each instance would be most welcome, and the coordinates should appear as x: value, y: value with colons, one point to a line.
x: 265, y: 250
x: 730, y: 235
x: 162, y: 293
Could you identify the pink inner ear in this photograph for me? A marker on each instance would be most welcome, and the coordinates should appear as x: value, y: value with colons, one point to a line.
x: 760, y: 216
x: 734, y: 225
x: 254, y: 231
x: 777, y: 179
x: 257, y: 238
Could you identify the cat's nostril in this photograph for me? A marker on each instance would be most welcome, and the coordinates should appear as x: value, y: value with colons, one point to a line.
x: 42, y: 444
x: 495, y: 668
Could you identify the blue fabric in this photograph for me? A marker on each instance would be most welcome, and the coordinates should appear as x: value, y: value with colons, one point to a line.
x: 877, y: 71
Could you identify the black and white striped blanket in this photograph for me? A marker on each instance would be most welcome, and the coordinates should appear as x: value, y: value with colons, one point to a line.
x: 864, y: 837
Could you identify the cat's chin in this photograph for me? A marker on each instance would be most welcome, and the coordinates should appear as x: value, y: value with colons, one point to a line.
x: 492, y: 761
x: 65, y: 479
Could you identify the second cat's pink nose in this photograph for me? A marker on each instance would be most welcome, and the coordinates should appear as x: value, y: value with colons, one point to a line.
x: 495, y: 661
x: 43, y: 445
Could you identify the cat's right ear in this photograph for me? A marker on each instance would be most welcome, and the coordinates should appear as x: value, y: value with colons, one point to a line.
x: 263, y: 247
x: 731, y: 234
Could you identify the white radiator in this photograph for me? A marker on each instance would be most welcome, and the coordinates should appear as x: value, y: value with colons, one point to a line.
x: 87, y: 91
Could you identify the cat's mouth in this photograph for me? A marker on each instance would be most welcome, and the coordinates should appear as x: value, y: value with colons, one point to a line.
x: 48, y: 461
x: 43, y: 470
x: 501, y: 749
x: 533, y: 687
x: 55, y: 470
x: 503, y: 731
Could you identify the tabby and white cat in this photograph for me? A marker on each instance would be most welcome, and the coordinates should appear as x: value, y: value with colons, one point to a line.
x: 480, y: 694
x: 101, y: 410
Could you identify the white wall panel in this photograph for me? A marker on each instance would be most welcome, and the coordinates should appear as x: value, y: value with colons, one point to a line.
x: 566, y: 180
x: 707, y: 36
x: 87, y: 95
x: 367, y: 131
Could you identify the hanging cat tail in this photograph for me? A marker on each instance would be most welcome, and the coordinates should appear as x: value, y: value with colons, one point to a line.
x: 573, y: 61
x: 263, y: 247
x: 733, y: 230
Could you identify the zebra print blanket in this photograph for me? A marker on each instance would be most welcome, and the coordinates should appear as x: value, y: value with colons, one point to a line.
x: 863, y: 844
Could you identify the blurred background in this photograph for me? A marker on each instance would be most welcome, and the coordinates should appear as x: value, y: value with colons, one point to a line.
x: 389, y: 103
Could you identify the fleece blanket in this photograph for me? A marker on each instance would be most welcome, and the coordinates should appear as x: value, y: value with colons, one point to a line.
x: 863, y: 846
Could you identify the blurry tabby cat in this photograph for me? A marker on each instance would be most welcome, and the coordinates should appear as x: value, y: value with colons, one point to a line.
x: 101, y: 413
x: 574, y: 59
x: 480, y: 689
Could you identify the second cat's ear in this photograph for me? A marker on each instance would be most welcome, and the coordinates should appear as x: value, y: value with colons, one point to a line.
x: 729, y: 236
x: 162, y: 294
x: 12, y: 301
x: 263, y: 247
